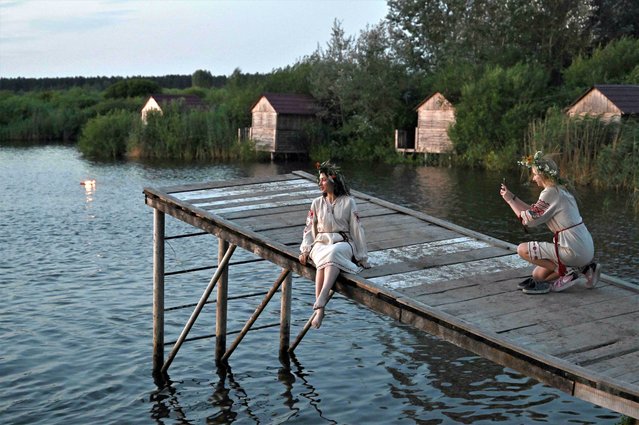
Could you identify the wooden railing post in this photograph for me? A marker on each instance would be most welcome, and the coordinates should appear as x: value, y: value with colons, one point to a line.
x: 285, y: 314
x: 222, y: 303
x: 158, y: 290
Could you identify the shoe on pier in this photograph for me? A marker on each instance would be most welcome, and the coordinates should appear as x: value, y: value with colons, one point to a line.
x: 526, y: 283
x: 566, y: 281
x: 537, y: 288
x: 592, y: 272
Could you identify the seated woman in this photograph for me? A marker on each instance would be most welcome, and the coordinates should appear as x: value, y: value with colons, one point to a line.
x: 333, y: 237
x: 572, y: 244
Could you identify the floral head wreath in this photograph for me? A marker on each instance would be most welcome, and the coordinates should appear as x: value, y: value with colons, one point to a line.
x: 334, y: 175
x: 543, y: 165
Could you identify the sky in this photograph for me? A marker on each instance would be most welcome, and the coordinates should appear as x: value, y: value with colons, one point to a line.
x: 51, y: 38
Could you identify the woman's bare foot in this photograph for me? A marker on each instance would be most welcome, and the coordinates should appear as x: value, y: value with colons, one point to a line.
x: 317, y: 319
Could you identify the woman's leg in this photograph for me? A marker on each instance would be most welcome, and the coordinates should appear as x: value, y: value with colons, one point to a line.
x: 330, y: 274
x: 545, y: 269
x: 323, y: 286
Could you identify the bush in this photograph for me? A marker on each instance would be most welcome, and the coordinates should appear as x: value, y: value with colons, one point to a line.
x: 106, y: 136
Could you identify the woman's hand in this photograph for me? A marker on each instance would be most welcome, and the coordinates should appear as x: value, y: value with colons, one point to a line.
x: 365, y: 264
x: 303, y: 258
x: 505, y: 193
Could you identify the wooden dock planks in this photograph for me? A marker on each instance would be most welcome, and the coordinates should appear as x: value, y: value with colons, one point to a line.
x: 453, y: 282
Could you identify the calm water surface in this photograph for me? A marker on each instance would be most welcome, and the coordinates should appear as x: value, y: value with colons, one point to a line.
x: 75, y: 322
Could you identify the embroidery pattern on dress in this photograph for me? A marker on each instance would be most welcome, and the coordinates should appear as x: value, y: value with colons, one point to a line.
x: 539, y: 209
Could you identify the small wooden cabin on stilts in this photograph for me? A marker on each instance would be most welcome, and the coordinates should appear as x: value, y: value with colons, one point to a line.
x: 280, y: 121
x: 435, y: 115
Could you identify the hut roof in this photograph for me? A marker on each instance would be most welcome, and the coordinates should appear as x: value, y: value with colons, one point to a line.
x: 190, y: 101
x: 288, y: 103
x: 623, y: 96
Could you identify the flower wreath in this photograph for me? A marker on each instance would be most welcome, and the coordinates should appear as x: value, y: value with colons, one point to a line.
x: 543, y: 166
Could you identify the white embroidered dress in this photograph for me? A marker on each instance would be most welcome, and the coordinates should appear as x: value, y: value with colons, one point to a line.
x: 334, y: 235
x: 558, y: 209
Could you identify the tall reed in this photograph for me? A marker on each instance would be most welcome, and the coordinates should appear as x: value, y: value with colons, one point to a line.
x: 590, y: 151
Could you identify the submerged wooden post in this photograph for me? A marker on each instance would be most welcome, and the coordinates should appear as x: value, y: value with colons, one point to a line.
x: 282, y: 277
x: 198, y: 308
x: 158, y: 290
x: 221, y: 308
x: 285, y: 314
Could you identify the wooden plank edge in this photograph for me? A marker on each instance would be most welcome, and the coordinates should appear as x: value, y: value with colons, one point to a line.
x: 226, y: 183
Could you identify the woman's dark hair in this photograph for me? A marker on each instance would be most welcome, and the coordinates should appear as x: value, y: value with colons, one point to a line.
x: 335, y: 176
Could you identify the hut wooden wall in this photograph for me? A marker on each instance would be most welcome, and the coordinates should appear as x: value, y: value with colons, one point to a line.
x: 291, y: 137
x: 595, y: 103
x: 273, y: 132
x: 434, y: 116
x: 263, y: 126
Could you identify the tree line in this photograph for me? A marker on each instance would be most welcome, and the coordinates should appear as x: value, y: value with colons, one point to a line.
x: 508, y: 67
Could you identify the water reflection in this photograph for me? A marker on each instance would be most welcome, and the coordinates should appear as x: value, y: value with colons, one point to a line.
x: 89, y: 188
x: 231, y: 402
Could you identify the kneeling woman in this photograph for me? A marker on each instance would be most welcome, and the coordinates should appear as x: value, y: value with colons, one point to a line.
x: 560, y: 263
x: 333, y: 237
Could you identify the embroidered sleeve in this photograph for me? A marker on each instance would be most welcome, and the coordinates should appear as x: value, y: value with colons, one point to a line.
x: 309, y: 230
x: 542, y: 210
x: 357, y: 233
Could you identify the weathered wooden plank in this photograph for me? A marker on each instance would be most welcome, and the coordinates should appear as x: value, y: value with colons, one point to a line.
x: 449, y: 272
x: 579, y: 337
x: 431, y: 262
x: 263, y: 189
x: 225, y: 183
x: 602, y: 352
x: 624, y: 367
x: 588, y: 309
x: 501, y: 281
x: 505, y: 299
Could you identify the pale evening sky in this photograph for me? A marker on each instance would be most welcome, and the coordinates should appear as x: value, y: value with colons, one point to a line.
x: 51, y: 38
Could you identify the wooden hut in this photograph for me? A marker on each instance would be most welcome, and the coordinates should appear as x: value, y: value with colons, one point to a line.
x: 609, y: 102
x: 279, y: 121
x: 159, y: 103
x: 435, y: 115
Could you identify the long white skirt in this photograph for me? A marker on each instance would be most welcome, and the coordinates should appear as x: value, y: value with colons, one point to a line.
x: 329, y: 250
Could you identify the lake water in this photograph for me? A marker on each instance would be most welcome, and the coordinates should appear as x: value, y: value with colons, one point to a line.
x: 76, y: 324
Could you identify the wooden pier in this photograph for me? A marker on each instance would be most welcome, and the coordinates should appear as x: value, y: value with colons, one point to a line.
x: 451, y: 282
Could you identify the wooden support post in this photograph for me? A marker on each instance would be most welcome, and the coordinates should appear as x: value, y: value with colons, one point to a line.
x: 158, y: 290
x: 221, y: 308
x: 285, y: 314
x: 198, y: 308
x: 307, y: 326
x: 285, y: 273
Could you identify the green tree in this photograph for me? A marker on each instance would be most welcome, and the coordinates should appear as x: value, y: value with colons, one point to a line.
x: 613, y: 64
x: 202, y: 78
x: 132, y: 87
x: 614, y: 19
x: 428, y: 33
x: 493, y: 113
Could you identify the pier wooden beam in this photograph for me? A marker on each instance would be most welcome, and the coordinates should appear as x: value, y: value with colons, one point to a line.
x: 221, y: 309
x: 285, y: 314
x: 158, y: 290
